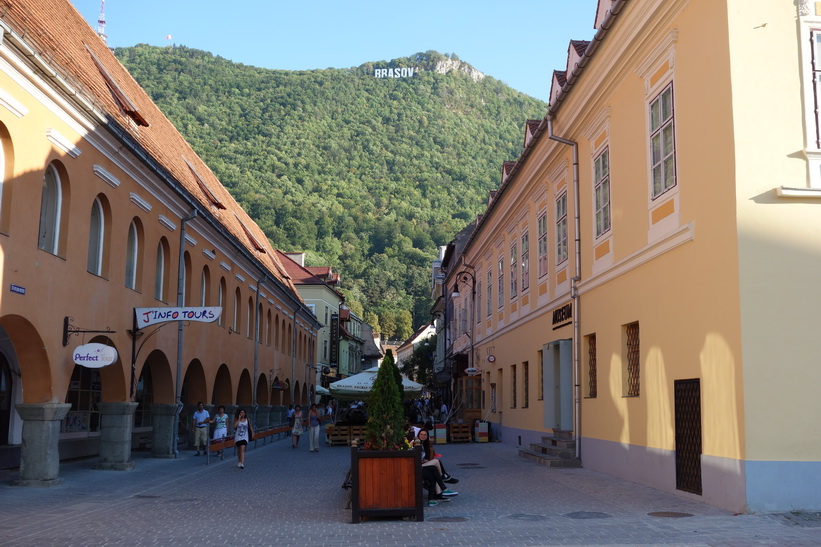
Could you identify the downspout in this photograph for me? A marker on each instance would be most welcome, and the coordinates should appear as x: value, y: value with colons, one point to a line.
x: 574, y: 286
x: 256, y: 350
x: 180, y: 304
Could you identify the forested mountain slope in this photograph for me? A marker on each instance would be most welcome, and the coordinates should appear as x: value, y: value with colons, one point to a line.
x: 368, y: 175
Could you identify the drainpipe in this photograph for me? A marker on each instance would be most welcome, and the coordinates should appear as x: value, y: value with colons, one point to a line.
x: 180, y: 303
x: 574, y: 286
x: 256, y: 350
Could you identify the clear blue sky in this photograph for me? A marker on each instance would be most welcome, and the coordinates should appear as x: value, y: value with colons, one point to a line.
x: 519, y: 42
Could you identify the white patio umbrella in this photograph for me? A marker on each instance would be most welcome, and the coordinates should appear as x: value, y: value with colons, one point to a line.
x: 359, y: 385
x: 322, y: 390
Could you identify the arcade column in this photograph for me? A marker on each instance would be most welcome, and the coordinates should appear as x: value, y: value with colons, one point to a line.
x: 40, y: 454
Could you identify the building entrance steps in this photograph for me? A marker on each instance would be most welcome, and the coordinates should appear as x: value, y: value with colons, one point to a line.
x: 557, y: 450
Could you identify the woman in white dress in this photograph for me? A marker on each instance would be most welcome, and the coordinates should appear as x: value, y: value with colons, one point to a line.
x: 243, y: 432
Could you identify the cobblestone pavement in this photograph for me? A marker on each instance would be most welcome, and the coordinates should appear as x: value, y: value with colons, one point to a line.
x: 288, y: 496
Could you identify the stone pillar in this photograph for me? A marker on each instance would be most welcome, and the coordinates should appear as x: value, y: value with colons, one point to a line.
x: 117, y: 421
x: 40, y: 454
x: 163, y: 422
x: 231, y: 410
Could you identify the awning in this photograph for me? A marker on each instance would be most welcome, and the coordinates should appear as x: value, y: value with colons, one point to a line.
x: 360, y: 385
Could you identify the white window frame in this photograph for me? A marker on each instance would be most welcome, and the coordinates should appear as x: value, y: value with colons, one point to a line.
x: 525, y: 251
x: 51, y: 205
x: 96, y: 237
x: 500, y: 272
x: 132, y: 254
x: 561, y: 229
x: 489, y: 291
x: 514, y: 269
x: 601, y: 192
x: 159, y: 273
x: 662, y: 159
x: 541, y: 233
x: 810, y: 44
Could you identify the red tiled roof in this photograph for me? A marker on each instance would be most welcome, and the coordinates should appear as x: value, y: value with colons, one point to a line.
x: 60, y: 36
x: 561, y: 77
x: 580, y: 46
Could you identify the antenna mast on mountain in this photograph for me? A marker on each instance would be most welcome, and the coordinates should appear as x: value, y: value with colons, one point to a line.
x: 101, y: 22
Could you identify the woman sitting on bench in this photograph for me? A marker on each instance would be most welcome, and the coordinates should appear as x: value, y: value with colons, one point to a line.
x: 429, y: 457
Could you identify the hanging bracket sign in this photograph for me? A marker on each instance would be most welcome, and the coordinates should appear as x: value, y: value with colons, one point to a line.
x: 94, y: 355
x: 151, y: 316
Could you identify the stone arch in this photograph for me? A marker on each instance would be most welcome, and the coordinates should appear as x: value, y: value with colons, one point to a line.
x: 276, y: 392
x: 287, y: 395
x: 262, y: 390
x: 304, y: 396
x: 161, y: 378
x: 115, y: 387
x: 30, y: 360
x: 223, y: 393
x: 244, y: 391
x: 296, y: 396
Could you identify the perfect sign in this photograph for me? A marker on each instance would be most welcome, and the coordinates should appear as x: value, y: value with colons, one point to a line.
x: 94, y: 355
x: 150, y: 316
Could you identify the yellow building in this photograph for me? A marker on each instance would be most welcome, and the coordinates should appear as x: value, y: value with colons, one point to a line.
x: 645, y: 278
x: 104, y: 208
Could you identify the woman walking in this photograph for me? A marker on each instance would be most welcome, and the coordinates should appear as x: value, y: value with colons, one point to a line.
x: 298, y: 427
x: 314, y: 424
x: 243, y: 432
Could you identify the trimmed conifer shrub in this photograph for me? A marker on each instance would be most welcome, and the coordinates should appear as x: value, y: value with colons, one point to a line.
x: 386, y: 415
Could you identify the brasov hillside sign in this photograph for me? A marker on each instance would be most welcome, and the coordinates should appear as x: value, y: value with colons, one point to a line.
x: 403, y: 72
x: 151, y: 316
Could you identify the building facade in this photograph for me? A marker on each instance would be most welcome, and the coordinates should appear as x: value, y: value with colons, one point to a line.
x: 644, y: 276
x: 104, y: 210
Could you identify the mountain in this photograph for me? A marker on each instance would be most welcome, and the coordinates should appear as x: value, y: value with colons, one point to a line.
x: 367, y: 174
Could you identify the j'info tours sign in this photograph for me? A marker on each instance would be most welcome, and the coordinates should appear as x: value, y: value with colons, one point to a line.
x: 403, y: 72
x: 145, y: 317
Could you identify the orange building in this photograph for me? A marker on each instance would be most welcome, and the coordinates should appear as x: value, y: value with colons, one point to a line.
x: 104, y: 209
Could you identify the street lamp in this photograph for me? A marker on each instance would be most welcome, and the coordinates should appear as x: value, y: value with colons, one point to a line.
x: 463, y: 276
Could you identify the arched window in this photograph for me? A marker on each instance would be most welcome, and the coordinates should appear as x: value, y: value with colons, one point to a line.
x: 50, y: 205
x: 162, y: 271
x: 269, y: 329
x: 96, y: 234
x: 131, y: 256
x: 186, y: 279
x: 237, y: 301
x: 249, y: 318
x: 205, y: 287
x: 221, y: 302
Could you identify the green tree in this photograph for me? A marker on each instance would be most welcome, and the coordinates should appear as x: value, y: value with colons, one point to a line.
x: 419, y: 366
x: 404, y: 325
x: 386, y: 416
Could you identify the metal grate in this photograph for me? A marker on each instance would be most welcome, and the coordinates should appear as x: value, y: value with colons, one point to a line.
x: 633, y: 360
x: 592, y: 390
x: 688, y: 435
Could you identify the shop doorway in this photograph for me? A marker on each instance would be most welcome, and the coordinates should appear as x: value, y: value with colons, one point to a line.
x: 557, y: 375
x: 6, y: 397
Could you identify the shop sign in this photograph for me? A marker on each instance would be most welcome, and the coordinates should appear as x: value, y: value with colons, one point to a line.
x: 94, y: 355
x: 563, y: 316
x: 150, y: 316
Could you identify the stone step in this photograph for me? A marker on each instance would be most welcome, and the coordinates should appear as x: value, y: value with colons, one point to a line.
x: 554, y: 451
x: 549, y: 461
x: 569, y: 444
x: 564, y: 434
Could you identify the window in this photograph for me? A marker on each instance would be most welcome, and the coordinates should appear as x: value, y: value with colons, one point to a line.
x: 236, y: 310
x: 249, y: 318
x: 525, y: 261
x: 525, y: 384
x: 161, y: 272
x: 132, y: 250
x: 221, y: 302
x: 478, y: 303
x: 501, y: 281
x: 50, y: 208
x: 512, y: 386
x: 186, y: 279
x: 84, y: 392
x: 662, y: 142
x: 592, y: 389
x: 631, y: 332
x: 514, y: 270
x: 325, y: 350
x: 489, y: 291
x: 541, y: 225
x: 205, y: 286
x: 541, y: 374
x: 601, y: 171
x: 96, y: 231
x: 561, y: 228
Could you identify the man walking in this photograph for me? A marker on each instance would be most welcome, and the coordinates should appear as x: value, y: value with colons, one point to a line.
x: 201, y: 421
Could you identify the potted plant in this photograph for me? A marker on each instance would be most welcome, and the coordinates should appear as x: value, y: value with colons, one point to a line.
x: 386, y: 472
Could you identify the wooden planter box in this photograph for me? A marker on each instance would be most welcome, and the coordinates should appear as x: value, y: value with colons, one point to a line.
x: 459, y: 433
x: 386, y: 483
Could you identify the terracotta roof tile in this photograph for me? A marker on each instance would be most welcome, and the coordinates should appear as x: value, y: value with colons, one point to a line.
x: 580, y: 46
x: 60, y: 36
x: 561, y: 77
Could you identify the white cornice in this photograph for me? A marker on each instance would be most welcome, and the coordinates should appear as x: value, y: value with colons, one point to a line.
x: 110, y: 179
x: 165, y: 221
x: 12, y: 105
x: 61, y: 142
x: 225, y: 266
x: 209, y: 254
x: 190, y: 240
x: 140, y: 202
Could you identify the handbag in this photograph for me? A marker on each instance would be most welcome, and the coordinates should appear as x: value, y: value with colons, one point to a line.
x: 250, y: 434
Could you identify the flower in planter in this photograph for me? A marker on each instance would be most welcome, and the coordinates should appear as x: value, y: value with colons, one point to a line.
x: 386, y: 415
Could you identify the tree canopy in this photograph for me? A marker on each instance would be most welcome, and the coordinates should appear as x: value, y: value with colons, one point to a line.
x: 367, y: 175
